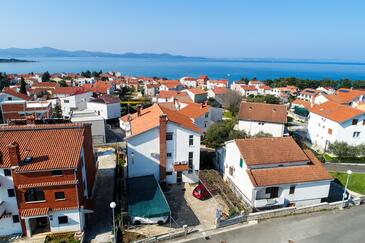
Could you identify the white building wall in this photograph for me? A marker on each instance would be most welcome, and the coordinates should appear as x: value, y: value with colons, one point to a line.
x: 75, y: 221
x: 240, y: 177
x: 7, y: 227
x: 107, y: 111
x: 254, y: 127
x: 318, y: 131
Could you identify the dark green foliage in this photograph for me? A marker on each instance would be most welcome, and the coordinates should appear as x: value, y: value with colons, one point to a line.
x: 57, y: 111
x: 4, y: 81
x: 269, y: 99
x: 22, y: 89
x: 46, y: 76
x: 220, y: 132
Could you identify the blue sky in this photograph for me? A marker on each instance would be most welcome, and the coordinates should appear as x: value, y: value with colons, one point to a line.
x: 323, y: 29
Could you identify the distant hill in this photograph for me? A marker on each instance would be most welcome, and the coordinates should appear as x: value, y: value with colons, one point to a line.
x: 13, y: 60
x: 53, y: 52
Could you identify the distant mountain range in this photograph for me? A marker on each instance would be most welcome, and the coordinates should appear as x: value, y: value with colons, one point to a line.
x: 53, y: 52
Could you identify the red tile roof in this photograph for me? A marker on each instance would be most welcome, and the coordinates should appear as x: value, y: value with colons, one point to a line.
x: 220, y: 90
x: 344, y: 96
x: 336, y: 112
x: 50, y: 146
x: 313, y: 171
x: 262, y: 151
x: 31, y: 212
x: 194, y: 110
x: 262, y: 112
x: 12, y: 92
x: 303, y: 103
x: 47, y: 184
x: 68, y: 90
x: 197, y: 91
x: 106, y: 99
x: 45, y: 85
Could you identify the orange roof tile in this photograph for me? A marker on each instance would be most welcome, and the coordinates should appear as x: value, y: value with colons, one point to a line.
x: 220, y: 90
x: 47, y: 184
x: 197, y: 91
x: 262, y: 112
x: 55, y: 146
x: 344, y: 96
x: 31, y: 212
x: 303, y: 103
x: 194, y: 110
x: 336, y: 112
x: 12, y: 92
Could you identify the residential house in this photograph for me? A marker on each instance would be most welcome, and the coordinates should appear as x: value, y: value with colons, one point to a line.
x: 97, y: 124
x: 245, y: 90
x: 202, y: 80
x: 107, y: 106
x: 100, y: 87
x: 221, y: 83
x: 171, y: 96
x: 197, y: 95
x: 254, y: 118
x: 151, y: 89
x: 308, y: 94
x: 218, y: 94
x: 19, y: 109
x: 275, y: 172
x: 170, y: 85
x: 72, y: 99
x: 47, y: 178
x: 48, y: 87
x: 189, y: 82
x: 331, y: 122
x: 350, y: 97
x: 9, y: 94
x: 163, y: 143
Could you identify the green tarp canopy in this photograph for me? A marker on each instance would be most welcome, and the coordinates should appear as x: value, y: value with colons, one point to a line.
x: 301, y: 111
x: 145, y: 198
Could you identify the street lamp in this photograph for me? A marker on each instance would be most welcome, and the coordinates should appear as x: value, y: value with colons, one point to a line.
x: 349, y: 172
x: 112, y: 206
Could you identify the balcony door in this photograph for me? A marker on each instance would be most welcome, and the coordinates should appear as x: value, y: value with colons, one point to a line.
x: 273, y: 192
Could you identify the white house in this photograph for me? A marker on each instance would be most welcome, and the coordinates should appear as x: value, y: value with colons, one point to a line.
x: 189, y: 82
x: 308, y: 94
x: 221, y: 83
x: 74, y: 102
x: 254, y: 118
x: 245, y: 90
x: 164, y: 143
x: 197, y: 95
x: 330, y: 122
x: 275, y: 172
x: 96, y: 121
x: 107, y: 106
x: 343, y: 96
x: 10, y: 94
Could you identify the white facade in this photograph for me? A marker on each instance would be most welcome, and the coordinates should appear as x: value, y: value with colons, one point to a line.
x: 304, y: 193
x: 143, y: 153
x: 254, y: 127
x: 8, y: 207
x: 96, y: 121
x: 6, y: 97
x: 106, y: 111
x: 74, y: 102
x: 323, y: 131
x: 189, y: 82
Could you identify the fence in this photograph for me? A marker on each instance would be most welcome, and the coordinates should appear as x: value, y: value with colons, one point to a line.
x: 235, y: 220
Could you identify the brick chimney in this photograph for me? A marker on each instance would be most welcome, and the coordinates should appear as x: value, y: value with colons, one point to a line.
x: 163, y: 151
x: 14, y: 154
x: 139, y: 108
x: 30, y: 120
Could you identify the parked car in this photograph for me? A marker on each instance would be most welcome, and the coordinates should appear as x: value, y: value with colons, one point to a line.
x: 200, y: 192
x: 157, y: 220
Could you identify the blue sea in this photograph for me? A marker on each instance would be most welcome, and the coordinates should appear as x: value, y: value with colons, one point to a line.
x: 176, y: 68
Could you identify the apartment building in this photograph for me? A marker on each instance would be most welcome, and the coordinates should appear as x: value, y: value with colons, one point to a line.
x: 19, y: 109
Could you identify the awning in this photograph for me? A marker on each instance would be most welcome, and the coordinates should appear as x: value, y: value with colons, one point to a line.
x: 33, y: 212
x: 49, y: 183
x: 145, y: 198
x: 181, y: 167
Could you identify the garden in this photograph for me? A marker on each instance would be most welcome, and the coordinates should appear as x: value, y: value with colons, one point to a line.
x: 356, y: 181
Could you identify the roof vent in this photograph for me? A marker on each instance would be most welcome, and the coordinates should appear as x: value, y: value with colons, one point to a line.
x: 28, y: 159
x: 250, y: 108
x: 274, y: 109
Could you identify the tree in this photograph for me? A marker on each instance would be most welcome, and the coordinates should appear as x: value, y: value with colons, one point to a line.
x: 4, y: 81
x: 231, y: 101
x: 342, y: 150
x: 213, y: 102
x: 220, y: 132
x: 86, y: 74
x: 63, y: 83
x: 57, y: 111
x: 269, y: 99
x: 262, y: 134
x: 46, y: 76
x: 22, y: 89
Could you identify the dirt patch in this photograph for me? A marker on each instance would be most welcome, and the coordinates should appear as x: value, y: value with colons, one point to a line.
x: 129, y: 236
x: 219, y: 189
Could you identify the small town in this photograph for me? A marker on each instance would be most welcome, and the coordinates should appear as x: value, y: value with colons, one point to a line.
x: 103, y: 157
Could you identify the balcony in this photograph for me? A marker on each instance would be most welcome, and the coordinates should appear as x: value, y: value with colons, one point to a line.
x: 269, y: 202
x: 180, y: 166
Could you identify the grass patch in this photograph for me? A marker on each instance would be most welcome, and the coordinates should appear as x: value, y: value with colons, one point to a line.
x: 327, y: 158
x: 61, y: 238
x: 356, y: 181
x: 228, y: 115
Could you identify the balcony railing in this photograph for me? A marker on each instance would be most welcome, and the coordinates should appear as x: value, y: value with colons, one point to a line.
x: 269, y: 202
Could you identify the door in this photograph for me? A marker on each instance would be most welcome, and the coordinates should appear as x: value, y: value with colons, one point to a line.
x: 178, y: 177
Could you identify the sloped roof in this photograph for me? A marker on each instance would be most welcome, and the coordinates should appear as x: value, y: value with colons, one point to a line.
x: 262, y: 112
x: 220, y: 90
x: 336, y: 112
x: 106, y: 99
x: 313, y: 171
x: 344, y: 96
x: 55, y: 146
x: 260, y: 151
x: 12, y: 92
x: 197, y: 91
x: 68, y: 90
x: 194, y: 110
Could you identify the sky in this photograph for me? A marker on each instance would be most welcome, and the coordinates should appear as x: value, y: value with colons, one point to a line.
x: 308, y: 29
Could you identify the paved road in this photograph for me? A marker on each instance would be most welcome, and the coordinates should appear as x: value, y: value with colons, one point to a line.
x: 325, y: 227
x: 344, y: 168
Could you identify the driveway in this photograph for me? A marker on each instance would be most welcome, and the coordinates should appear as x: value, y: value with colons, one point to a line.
x: 325, y: 227
x: 99, y: 223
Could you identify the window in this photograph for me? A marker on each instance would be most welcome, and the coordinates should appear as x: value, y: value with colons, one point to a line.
x: 169, y: 155
x: 11, y: 193
x: 169, y: 135
x: 354, y: 122
x: 191, y: 157
x: 356, y: 134
x: 273, y: 191
x: 62, y: 220
x: 329, y: 131
x: 363, y: 122
x: 205, y: 124
x: 10, y: 98
x: 231, y: 170
x: 168, y: 173
x: 206, y: 115
x: 59, y: 195
x: 261, y: 123
x: 7, y: 172
x: 241, y: 162
x: 66, y: 101
x: 34, y: 195
x: 56, y: 172
x: 15, y: 218
x: 292, y: 190
x: 191, y: 140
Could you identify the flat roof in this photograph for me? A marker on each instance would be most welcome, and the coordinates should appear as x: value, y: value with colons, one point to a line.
x: 145, y: 198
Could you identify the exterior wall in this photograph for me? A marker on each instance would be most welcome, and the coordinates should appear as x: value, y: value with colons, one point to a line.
x: 75, y: 221
x: 19, y: 111
x: 146, y: 148
x: 107, y: 111
x: 75, y: 102
x: 216, y: 114
x: 253, y: 127
x: 204, y: 122
x: 240, y: 177
x: 318, y: 131
x: 6, y: 97
x: 197, y: 98
x: 97, y: 128
x: 7, y: 227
